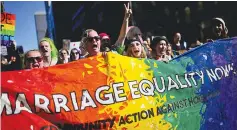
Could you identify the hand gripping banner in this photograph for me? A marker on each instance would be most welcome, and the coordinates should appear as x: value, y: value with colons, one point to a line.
x: 196, y: 91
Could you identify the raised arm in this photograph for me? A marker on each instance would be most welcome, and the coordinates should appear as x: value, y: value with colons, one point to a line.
x: 124, y: 28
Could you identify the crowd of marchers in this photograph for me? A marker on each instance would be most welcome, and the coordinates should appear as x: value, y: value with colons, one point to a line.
x: 130, y: 42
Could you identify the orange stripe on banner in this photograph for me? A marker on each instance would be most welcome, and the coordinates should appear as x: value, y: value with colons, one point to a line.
x: 13, y: 22
x: 10, y: 22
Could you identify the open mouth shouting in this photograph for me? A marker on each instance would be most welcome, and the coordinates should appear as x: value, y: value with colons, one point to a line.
x: 137, y: 53
x: 95, y: 46
x: 35, y: 65
x: 45, y: 53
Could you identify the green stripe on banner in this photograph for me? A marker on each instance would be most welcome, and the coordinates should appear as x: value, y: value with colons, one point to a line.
x: 7, y: 32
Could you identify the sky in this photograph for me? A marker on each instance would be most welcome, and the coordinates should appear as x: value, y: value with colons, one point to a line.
x: 25, y: 30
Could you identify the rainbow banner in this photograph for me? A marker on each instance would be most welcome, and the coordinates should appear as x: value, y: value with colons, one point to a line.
x: 7, y: 28
x: 196, y: 91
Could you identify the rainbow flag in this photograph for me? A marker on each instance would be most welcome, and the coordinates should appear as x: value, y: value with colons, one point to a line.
x: 196, y: 91
x: 8, y: 22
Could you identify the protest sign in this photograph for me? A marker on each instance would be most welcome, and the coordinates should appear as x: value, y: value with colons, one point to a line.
x: 3, y: 50
x: 196, y: 91
x: 74, y: 45
x: 7, y: 28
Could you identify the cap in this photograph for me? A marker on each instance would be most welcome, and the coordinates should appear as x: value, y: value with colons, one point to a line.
x: 103, y: 34
x: 158, y: 39
x: 222, y: 22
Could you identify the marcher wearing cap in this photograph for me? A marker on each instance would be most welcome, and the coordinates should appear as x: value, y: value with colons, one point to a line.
x: 105, y: 42
x: 159, y: 48
x: 135, y: 48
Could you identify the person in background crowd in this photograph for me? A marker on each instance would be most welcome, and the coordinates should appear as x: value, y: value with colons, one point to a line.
x: 169, y: 52
x: 177, y: 45
x: 4, y: 63
x: 219, y: 29
x: 84, y: 52
x: 13, y: 57
x: 33, y: 59
x: 4, y: 60
x: 147, y: 44
x: 134, y: 32
x: 49, y: 52
x: 66, y: 44
x: 195, y: 44
x: 135, y: 49
x: 105, y: 42
x: 64, y: 56
x: 159, y: 48
x: 75, y: 54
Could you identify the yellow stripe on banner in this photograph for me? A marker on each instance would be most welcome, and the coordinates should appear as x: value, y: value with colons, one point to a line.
x: 8, y: 27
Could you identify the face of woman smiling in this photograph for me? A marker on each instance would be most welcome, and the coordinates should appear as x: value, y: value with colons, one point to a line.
x: 136, y: 49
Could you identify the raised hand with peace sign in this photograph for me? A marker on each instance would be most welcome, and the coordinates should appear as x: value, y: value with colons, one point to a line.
x: 124, y: 29
x: 128, y: 11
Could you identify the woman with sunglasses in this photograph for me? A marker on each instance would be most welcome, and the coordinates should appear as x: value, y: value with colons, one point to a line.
x: 33, y: 59
x: 75, y: 54
x: 91, y: 42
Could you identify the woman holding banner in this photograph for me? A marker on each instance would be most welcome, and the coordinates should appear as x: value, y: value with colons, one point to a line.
x: 135, y: 49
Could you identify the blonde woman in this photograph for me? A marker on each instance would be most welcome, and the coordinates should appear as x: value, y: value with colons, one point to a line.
x: 49, y: 52
x: 135, y: 49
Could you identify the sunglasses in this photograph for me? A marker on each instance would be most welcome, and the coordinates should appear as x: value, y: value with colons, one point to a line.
x: 32, y: 59
x: 75, y: 53
x: 90, y: 39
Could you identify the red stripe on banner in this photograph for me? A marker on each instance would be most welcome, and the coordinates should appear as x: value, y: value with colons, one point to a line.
x: 7, y: 18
